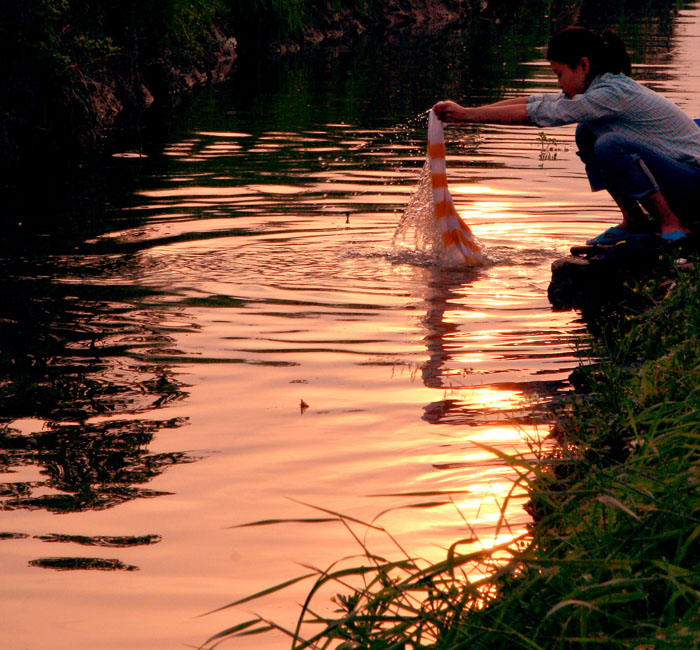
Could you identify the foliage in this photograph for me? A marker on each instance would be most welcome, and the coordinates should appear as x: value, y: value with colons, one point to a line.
x: 263, y: 19
x: 78, y: 63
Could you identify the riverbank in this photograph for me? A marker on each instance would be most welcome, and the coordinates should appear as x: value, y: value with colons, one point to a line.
x: 613, y: 559
x: 83, y: 75
x: 87, y: 78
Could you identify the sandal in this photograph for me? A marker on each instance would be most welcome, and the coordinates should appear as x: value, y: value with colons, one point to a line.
x: 675, y: 237
x: 616, y: 234
x: 612, y: 235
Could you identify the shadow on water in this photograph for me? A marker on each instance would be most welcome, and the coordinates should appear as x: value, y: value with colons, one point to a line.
x: 78, y: 563
x: 445, y: 291
x: 85, y: 467
x: 75, y: 392
x: 73, y: 563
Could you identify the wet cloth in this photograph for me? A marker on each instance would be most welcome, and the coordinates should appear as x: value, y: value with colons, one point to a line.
x: 614, y: 102
x: 459, y: 246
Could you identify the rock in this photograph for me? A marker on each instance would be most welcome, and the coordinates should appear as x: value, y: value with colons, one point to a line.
x: 331, y: 23
x: 146, y: 96
x: 215, y: 68
x: 599, y: 276
x: 576, y: 282
x: 106, y: 104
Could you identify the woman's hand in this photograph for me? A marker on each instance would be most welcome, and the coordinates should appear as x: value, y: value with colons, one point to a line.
x: 450, y: 111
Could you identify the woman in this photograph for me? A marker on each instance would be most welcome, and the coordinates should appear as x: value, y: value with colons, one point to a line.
x: 636, y: 144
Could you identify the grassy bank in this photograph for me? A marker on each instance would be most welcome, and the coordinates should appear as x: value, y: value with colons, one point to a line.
x: 614, y: 556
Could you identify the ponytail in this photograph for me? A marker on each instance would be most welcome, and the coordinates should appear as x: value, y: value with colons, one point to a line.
x: 605, y: 53
x: 616, y: 58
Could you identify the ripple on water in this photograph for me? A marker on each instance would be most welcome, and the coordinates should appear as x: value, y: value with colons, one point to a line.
x: 265, y: 263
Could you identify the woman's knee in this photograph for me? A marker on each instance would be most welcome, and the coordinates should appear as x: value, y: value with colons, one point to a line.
x: 623, y: 167
x: 614, y: 149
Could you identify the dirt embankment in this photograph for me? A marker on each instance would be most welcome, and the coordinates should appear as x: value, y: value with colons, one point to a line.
x: 328, y: 24
x: 75, y: 110
x: 113, y: 100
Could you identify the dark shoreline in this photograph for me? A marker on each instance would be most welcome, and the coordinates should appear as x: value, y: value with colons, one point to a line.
x: 87, y: 86
x: 58, y: 103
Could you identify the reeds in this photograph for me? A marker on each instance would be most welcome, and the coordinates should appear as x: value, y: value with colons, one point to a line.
x: 613, y: 560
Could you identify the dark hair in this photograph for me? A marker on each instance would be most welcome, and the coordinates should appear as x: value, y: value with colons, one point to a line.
x: 606, y: 53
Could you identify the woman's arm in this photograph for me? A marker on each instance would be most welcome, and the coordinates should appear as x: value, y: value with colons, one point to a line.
x: 512, y: 101
x: 508, y: 111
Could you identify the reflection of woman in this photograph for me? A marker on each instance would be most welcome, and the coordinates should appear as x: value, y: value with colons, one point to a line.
x: 635, y: 143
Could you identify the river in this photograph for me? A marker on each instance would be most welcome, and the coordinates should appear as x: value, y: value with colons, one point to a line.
x: 234, y: 338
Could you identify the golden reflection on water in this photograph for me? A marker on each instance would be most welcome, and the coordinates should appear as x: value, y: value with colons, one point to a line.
x: 267, y: 253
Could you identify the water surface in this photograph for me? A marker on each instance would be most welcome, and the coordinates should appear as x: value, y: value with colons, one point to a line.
x: 154, y: 361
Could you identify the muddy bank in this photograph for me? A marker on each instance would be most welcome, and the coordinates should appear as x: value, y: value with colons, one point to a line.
x: 83, y: 81
x: 329, y: 24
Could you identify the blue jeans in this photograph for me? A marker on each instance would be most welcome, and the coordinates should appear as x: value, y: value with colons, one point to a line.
x: 629, y: 168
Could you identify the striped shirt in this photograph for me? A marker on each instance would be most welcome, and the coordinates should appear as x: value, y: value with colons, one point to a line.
x: 614, y: 102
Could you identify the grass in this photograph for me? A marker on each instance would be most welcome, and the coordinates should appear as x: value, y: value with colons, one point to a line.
x: 613, y: 560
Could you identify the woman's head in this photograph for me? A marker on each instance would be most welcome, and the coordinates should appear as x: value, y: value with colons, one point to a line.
x: 587, y: 54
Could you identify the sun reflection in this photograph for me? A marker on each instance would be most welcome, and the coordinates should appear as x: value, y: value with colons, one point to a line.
x: 474, y: 188
x: 223, y: 134
x: 494, y: 399
x: 523, y: 432
x: 491, y: 496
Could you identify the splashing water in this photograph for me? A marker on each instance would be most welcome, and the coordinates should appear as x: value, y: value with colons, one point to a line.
x: 450, y: 240
x: 417, y: 228
x: 417, y: 232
